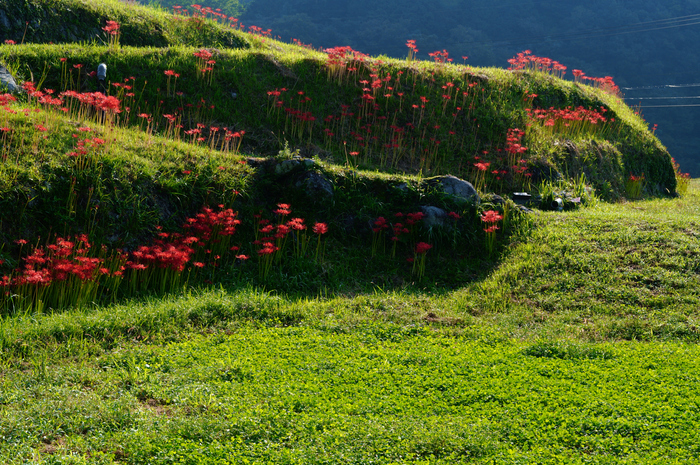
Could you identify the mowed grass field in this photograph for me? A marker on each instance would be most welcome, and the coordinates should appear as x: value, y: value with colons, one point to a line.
x: 579, y: 346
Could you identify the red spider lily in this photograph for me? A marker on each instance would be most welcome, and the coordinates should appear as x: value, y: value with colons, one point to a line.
x: 283, y: 209
x: 422, y: 248
x: 6, y: 98
x: 59, y: 275
x: 297, y: 224
x: 419, y: 256
x: 491, y: 216
x: 320, y: 228
x: 412, y: 49
x: 440, y: 56
x: 112, y: 28
x: 380, y: 224
x: 413, y: 218
x: 204, y: 54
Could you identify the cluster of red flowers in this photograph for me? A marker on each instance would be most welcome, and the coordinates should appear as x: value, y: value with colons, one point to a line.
x: 513, y: 141
x: 96, y: 100
x: 84, y: 145
x: 5, y: 99
x: 338, y: 60
x: 440, y: 56
x: 422, y: 248
x: 491, y: 218
x: 112, y: 28
x: 204, y: 62
x: 567, y: 115
x: 208, y: 223
x: 527, y: 61
x: 202, y: 12
x: 163, y: 254
x: 162, y: 262
x: 66, y: 258
x: 412, y: 49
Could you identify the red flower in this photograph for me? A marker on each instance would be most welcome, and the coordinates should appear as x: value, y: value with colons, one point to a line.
x: 491, y: 216
x: 423, y: 247
x: 320, y: 228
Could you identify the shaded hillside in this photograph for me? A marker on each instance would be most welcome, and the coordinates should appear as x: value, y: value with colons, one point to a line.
x: 75, y: 21
x: 177, y: 128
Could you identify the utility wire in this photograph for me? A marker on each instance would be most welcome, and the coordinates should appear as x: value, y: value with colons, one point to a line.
x: 659, y: 98
x: 655, y: 25
x: 670, y: 86
x: 668, y: 106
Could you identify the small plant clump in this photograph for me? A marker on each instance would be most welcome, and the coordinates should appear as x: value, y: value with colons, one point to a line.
x: 634, y: 186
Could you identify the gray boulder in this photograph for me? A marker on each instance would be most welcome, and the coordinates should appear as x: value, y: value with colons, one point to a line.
x: 458, y: 188
x: 7, y: 81
x: 316, y: 185
x: 434, y: 216
x: 287, y: 166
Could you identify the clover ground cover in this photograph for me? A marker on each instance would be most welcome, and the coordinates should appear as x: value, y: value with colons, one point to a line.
x: 381, y: 393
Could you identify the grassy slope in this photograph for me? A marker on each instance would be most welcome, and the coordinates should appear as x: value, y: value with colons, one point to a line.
x: 258, y: 65
x: 508, y: 369
x: 575, y: 345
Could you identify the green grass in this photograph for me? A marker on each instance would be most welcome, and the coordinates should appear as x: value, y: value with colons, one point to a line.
x: 378, y: 393
x: 527, y: 365
x: 574, y: 342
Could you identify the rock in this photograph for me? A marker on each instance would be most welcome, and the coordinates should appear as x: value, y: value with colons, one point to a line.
x: 6, y: 80
x: 3, y: 20
x: 287, y: 166
x: 497, y: 199
x: 316, y: 185
x: 458, y: 188
x: 434, y: 216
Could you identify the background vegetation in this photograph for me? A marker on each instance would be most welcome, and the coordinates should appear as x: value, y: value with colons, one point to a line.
x: 643, y: 50
x: 573, y: 339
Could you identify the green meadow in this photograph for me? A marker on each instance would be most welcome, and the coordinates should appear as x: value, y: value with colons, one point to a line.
x: 239, y: 264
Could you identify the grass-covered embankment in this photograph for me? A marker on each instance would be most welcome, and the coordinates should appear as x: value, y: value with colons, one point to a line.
x: 571, y: 341
x: 529, y: 364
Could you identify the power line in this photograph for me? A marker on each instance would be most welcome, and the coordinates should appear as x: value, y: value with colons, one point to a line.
x: 678, y: 21
x: 659, y: 98
x: 669, y: 106
x: 670, y: 86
